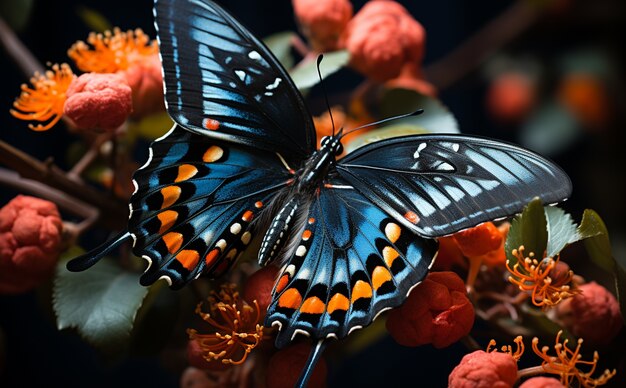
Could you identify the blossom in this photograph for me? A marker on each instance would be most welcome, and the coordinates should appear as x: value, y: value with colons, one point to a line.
x: 449, y: 255
x: 236, y: 324
x: 586, y: 96
x: 131, y: 54
x: 567, y: 361
x: 30, y: 243
x: 547, y: 279
x: 286, y: 366
x: 322, y: 21
x: 479, y: 240
x: 542, y: 382
x: 383, y: 37
x: 98, y: 101
x: 259, y: 287
x: 437, y: 311
x: 482, y: 369
x: 511, y: 96
x: 594, y: 307
x: 44, y: 101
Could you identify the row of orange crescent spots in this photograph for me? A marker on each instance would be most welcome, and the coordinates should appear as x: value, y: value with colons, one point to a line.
x: 360, y: 290
x: 170, y: 195
x: 313, y: 305
x: 380, y: 276
x: 211, y: 124
x: 168, y: 219
x: 185, y: 171
x: 247, y: 216
x: 338, y: 302
x: 290, y: 299
x: 258, y: 204
x: 212, y: 154
x: 212, y: 256
x: 390, y: 255
x: 173, y: 241
x: 282, y: 283
x: 189, y: 258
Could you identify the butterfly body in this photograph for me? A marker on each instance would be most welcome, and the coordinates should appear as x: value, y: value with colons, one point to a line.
x: 351, y: 235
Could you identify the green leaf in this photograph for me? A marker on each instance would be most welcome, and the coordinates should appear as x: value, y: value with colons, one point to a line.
x: 561, y: 230
x: 305, y: 75
x: 528, y: 229
x: 435, y: 119
x: 150, y: 127
x: 597, y: 242
x: 280, y: 45
x: 93, y: 19
x: 101, y: 303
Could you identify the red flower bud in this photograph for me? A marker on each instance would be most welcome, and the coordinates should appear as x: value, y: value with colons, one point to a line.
x: 542, y: 382
x: 98, y: 101
x: 383, y: 37
x: 146, y: 81
x: 595, y: 307
x: 479, y: 240
x: 30, y: 243
x: 259, y: 287
x: 322, y: 21
x: 449, y: 255
x: 511, y: 96
x: 484, y: 370
x: 437, y: 311
x: 286, y: 366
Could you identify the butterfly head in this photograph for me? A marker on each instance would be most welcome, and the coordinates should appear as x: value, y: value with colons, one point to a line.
x: 332, y: 144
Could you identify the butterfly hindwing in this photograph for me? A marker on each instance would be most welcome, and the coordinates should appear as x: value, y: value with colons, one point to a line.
x: 436, y: 185
x: 195, y: 202
x: 222, y: 82
x: 352, y: 261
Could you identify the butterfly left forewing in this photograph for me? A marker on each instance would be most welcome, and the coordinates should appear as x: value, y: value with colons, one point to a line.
x: 436, y: 185
x: 351, y: 262
x: 196, y: 201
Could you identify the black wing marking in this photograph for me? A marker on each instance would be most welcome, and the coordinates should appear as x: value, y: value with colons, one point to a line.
x: 223, y: 82
x: 439, y: 184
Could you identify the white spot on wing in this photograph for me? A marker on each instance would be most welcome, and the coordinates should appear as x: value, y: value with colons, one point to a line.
x: 245, y: 238
x: 291, y: 270
x: 301, y: 251
x: 167, y: 279
x: 299, y: 331
x: 241, y: 74
x: 274, y: 85
x: 254, y: 55
x: 221, y: 244
x: 235, y: 228
x: 354, y: 328
x: 149, y: 260
x: 419, y: 149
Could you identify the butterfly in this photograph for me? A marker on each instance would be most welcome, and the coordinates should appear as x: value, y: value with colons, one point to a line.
x: 352, y: 235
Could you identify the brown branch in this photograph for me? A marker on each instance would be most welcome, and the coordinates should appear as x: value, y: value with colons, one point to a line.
x: 16, y: 50
x: 113, y: 212
x: 479, y: 47
x: 88, y: 157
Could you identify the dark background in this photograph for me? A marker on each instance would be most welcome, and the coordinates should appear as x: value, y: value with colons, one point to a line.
x: 38, y: 354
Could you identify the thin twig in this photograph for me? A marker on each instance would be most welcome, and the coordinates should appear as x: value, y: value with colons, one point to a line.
x: 89, y: 157
x: 16, y: 50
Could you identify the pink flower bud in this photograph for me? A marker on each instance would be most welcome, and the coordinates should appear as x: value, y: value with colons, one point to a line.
x: 480, y: 369
x: 437, y: 311
x: 383, y: 37
x: 595, y: 307
x: 146, y: 81
x: 287, y: 364
x: 99, y: 101
x: 542, y: 382
x: 30, y: 243
x: 322, y: 21
x: 259, y: 287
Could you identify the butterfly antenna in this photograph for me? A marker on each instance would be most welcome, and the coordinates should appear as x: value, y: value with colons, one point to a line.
x: 314, y: 356
x: 87, y: 260
x: 415, y: 113
x: 319, y: 73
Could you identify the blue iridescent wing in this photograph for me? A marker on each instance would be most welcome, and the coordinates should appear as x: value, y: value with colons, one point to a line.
x: 352, y: 261
x: 195, y: 204
x: 439, y: 184
x: 222, y: 82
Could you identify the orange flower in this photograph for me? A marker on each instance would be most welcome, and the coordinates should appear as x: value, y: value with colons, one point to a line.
x: 511, y: 96
x: 548, y: 281
x: 586, y: 96
x: 44, y: 101
x: 237, y: 330
x: 479, y: 240
x: 566, y: 362
x: 112, y: 51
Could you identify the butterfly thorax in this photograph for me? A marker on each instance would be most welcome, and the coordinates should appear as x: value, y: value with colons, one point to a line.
x: 287, y: 222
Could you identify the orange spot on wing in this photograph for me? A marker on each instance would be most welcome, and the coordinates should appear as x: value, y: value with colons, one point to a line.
x: 282, y: 283
x: 290, y: 299
x: 338, y: 302
x: 167, y: 219
x: 390, y: 254
x: 211, y: 256
x: 380, y: 276
x: 313, y: 305
x: 247, y: 216
x: 412, y: 217
x: 211, y: 124
x: 392, y: 231
x: 360, y: 290
x: 311, y: 220
x: 306, y: 235
x: 188, y: 258
x: 258, y: 204
x: 173, y: 241
x: 212, y: 154
x: 170, y: 195
x: 185, y: 171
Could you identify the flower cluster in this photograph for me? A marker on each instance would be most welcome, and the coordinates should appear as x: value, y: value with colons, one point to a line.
x: 122, y: 77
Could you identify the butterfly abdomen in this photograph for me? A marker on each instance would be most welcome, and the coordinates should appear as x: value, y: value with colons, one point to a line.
x: 280, y: 229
